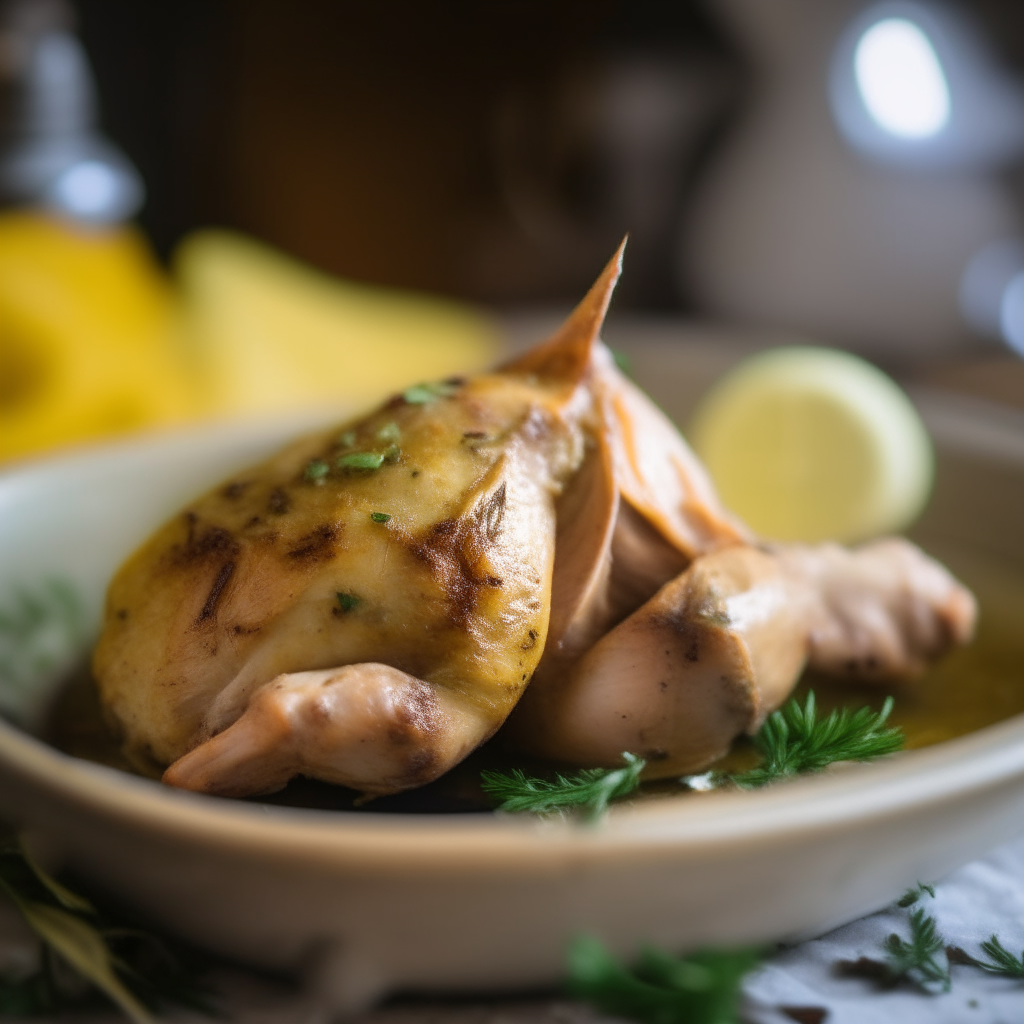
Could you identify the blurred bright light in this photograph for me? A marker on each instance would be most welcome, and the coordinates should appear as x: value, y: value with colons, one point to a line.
x: 900, y: 79
x: 88, y: 188
x: 1011, y: 314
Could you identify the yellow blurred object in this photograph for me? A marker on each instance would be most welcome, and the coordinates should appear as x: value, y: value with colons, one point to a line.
x: 88, y: 342
x: 273, y: 334
x: 813, y: 444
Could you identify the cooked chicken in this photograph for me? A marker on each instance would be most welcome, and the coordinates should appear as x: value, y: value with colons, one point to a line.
x: 368, y: 606
x: 721, y: 646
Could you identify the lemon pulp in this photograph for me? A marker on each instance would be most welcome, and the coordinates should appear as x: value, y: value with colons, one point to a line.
x: 814, y: 444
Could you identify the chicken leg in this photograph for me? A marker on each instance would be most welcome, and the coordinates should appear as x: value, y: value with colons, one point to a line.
x: 721, y: 646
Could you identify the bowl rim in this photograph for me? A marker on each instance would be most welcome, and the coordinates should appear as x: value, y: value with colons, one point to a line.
x: 393, y: 843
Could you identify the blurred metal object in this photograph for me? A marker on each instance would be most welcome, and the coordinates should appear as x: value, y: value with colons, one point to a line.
x: 51, y: 151
x: 796, y: 229
x: 914, y: 84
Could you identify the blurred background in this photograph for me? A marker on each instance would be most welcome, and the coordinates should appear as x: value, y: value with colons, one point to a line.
x: 220, y: 208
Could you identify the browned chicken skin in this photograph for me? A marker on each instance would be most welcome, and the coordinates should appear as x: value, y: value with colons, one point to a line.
x: 368, y: 606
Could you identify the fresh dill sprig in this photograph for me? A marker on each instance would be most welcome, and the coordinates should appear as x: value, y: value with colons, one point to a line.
x: 1000, y: 959
x: 83, y: 954
x: 793, y: 741
x: 922, y: 959
x: 591, y: 789
x: 703, y: 988
x: 911, y: 896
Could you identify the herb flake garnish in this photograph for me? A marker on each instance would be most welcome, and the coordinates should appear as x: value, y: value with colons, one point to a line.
x: 424, y: 394
x: 591, y: 789
x: 389, y: 432
x: 360, y: 460
x: 316, y: 471
x: 703, y: 988
x: 347, y: 602
x: 380, y: 517
x: 793, y: 741
x: 347, y: 439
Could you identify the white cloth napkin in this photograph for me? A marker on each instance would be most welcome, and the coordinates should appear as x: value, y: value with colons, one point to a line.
x: 985, y: 897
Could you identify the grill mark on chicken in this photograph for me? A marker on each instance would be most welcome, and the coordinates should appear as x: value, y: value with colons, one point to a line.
x: 453, y: 550
x: 318, y: 545
x: 200, y: 544
x: 236, y: 489
x: 279, y: 501
x: 216, y: 591
x: 494, y: 513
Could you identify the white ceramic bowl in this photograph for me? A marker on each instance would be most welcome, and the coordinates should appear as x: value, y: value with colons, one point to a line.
x: 375, y: 902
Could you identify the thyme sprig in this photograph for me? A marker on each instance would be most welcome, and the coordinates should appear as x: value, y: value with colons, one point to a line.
x: 703, y: 988
x: 591, y: 789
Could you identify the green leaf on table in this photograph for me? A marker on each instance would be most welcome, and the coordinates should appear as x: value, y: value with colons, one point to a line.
x: 922, y: 961
x: 923, y: 958
x: 591, y: 789
x: 703, y: 988
x: 1000, y: 959
x: 911, y: 896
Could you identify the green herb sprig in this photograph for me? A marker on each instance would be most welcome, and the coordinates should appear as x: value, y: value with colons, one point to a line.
x: 794, y: 741
x: 911, y: 896
x: 135, y: 970
x: 1000, y: 960
x: 923, y: 959
x: 590, y: 790
x: 703, y: 988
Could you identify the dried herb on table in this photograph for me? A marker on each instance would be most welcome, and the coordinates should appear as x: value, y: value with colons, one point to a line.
x: 591, y: 789
x: 703, y: 988
x: 83, y: 954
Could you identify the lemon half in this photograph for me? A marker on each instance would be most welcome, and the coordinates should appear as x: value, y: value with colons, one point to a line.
x: 814, y: 444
